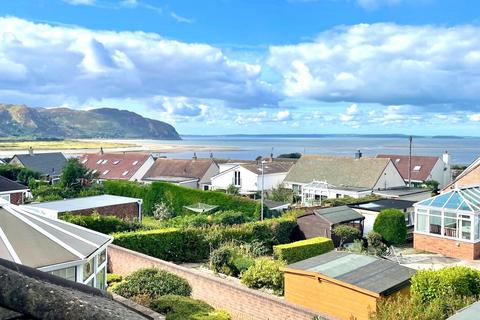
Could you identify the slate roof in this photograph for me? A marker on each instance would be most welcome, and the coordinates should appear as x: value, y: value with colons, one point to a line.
x: 425, y: 163
x: 268, y: 167
x: 338, y: 171
x: 46, y: 163
x: 371, y: 273
x: 339, y: 214
x: 38, y: 241
x: 114, y: 166
x: 167, y: 169
x: 9, y: 185
x: 379, y: 205
x: 270, y: 204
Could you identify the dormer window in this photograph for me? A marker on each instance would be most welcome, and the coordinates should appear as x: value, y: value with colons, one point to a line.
x: 104, y: 161
x: 116, y: 162
x: 125, y: 173
x: 84, y: 161
x: 417, y: 168
x: 105, y: 172
x: 134, y: 163
x: 99, y: 161
x: 397, y: 161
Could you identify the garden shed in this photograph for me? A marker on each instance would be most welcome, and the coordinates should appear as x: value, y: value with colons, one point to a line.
x: 320, y: 223
x: 344, y: 285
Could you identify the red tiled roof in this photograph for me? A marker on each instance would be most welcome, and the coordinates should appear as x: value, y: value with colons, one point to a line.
x: 114, y: 166
x: 421, y: 167
x: 188, y: 168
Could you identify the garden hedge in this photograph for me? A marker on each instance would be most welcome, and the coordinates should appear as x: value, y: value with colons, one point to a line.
x: 391, y: 225
x: 184, y: 308
x: 194, y: 244
x: 103, y: 224
x: 301, y: 250
x: 177, y: 197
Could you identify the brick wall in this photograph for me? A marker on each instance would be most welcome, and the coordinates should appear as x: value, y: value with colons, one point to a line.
x: 447, y: 247
x: 16, y: 198
x: 124, y: 211
x: 242, y: 303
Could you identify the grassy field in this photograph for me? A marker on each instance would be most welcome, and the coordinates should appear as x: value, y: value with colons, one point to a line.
x: 61, y: 145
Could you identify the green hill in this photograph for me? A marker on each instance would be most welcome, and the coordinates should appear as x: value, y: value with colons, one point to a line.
x: 20, y: 121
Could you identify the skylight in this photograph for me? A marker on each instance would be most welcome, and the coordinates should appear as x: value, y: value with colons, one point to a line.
x: 125, y: 173
x: 134, y: 162
x: 104, y: 161
x: 417, y: 168
x: 99, y: 161
x: 116, y: 162
x: 105, y: 172
x: 84, y: 160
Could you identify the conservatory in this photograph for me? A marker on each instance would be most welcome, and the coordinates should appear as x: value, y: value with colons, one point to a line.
x: 449, y: 223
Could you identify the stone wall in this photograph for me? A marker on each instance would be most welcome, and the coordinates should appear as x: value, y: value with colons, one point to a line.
x: 239, y: 301
x: 448, y: 247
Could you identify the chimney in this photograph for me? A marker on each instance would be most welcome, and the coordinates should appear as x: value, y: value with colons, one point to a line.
x: 446, y: 158
x: 358, y: 154
x: 101, y: 150
x: 30, y: 151
x: 194, y: 156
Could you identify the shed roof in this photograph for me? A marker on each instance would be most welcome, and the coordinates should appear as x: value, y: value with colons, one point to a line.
x: 38, y: 241
x: 272, y: 205
x: 338, y: 171
x: 84, y: 203
x: 423, y: 164
x: 9, y: 185
x: 51, y: 163
x: 339, y: 214
x: 379, y: 205
x: 371, y: 273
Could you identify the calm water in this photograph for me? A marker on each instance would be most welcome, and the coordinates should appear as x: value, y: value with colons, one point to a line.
x: 462, y: 150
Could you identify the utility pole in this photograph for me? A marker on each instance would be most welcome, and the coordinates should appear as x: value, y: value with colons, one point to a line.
x: 410, y: 163
x: 263, y: 185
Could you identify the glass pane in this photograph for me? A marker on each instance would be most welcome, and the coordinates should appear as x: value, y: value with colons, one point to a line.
x: 101, y: 258
x: 476, y: 227
x: 440, y: 201
x: 466, y: 229
x: 101, y: 279
x: 421, y: 223
x: 454, y: 201
x: 87, y: 269
x: 68, y: 273
x: 450, y: 224
x: 435, y: 224
x: 426, y: 202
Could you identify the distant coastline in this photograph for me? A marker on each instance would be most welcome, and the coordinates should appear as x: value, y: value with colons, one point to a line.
x: 324, y: 135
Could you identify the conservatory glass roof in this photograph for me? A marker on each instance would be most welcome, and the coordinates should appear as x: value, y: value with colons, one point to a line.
x: 467, y: 199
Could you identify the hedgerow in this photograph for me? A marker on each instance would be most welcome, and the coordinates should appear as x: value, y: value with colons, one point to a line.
x: 301, y: 250
x: 103, y: 224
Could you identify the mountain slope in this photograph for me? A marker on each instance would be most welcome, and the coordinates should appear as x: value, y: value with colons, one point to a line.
x: 23, y: 121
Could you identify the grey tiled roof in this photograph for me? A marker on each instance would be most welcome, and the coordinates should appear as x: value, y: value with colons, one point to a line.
x: 339, y: 214
x: 338, y: 171
x: 367, y: 272
x: 46, y: 163
x: 9, y: 185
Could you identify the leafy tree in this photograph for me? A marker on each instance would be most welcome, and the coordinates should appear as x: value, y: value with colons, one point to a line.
x: 17, y: 173
x: 281, y: 194
x: 375, y: 244
x: 390, y: 224
x: 75, y: 175
x: 293, y: 155
x: 346, y: 233
x: 232, y: 190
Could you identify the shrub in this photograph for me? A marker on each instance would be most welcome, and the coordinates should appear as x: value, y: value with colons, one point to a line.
x: 161, y: 211
x: 346, y: 233
x: 390, y: 224
x: 281, y: 194
x: 230, y: 217
x: 17, y: 173
x: 375, y: 244
x: 183, y: 308
x: 233, y: 258
x: 113, y: 278
x: 219, y: 259
x: 103, y: 224
x: 152, y: 283
x: 265, y: 274
x: 301, y: 250
x: 178, y: 196
x: 428, y: 285
x: 348, y: 200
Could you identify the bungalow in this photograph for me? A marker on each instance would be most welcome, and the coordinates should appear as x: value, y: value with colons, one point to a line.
x: 469, y: 177
x: 316, y: 177
x: 249, y: 177
x: 449, y: 223
x: 12, y: 191
x: 344, y: 285
x: 193, y: 173
x: 118, y: 166
x: 50, y: 165
x: 422, y: 168
x: 107, y: 205
x: 54, y: 246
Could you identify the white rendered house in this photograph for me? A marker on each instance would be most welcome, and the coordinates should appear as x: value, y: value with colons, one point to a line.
x: 54, y: 246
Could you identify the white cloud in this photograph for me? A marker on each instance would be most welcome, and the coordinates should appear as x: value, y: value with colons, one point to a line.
x: 180, y: 18
x: 474, y: 117
x: 350, y: 113
x: 283, y: 115
x: 386, y: 64
x: 49, y: 65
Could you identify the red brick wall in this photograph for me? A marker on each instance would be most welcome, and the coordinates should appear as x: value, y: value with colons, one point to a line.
x: 16, y: 198
x: 447, y: 247
x: 124, y: 211
x: 242, y: 303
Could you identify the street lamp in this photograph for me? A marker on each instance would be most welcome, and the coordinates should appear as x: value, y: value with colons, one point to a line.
x: 263, y: 186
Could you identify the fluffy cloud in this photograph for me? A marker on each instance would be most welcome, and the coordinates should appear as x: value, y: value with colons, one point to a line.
x: 385, y: 63
x: 283, y: 115
x: 50, y: 65
x: 474, y: 117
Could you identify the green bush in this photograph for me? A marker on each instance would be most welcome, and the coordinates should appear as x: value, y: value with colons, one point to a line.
x: 152, y: 283
x: 375, y: 244
x: 346, y: 233
x: 428, y: 285
x: 230, y: 217
x: 348, y: 200
x: 17, y: 173
x: 301, y: 250
x: 103, y: 224
x: 390, y: 224
x: 233, y: 258
x: 113, y: 278
x: 176, y: 307
x: 265, y: 274
x: 178, y: 196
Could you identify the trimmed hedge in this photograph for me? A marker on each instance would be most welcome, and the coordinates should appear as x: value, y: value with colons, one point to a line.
x: 265, y: 274
x: 184, y: 308
x: 194, y: 244
x: 301, y: 250
x: 390, y: 224
x: 103, y: 224
x: 428, y: 285
x: 177, y: 197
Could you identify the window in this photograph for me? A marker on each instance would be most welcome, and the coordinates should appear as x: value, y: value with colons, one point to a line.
x: 99, y: 161
x: 134, y: 163
x: 236, y: 181
x: 100, y: 280
x: 101, y: 258
x: 422, y: 222
x: 104, y: 161
x: 435, y: 222
x: 417, y: 168
x: 5, y: 197
x: 125, y: 173
x: 105, y: 172
x: 84, y: 161
x: 205, y: 188
x: 116, y: 162
x: 447, y: 223
x: 67, y: 273
x: 87, y: 269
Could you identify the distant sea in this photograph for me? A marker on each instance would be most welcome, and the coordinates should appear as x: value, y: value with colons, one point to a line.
x: 463, y: 150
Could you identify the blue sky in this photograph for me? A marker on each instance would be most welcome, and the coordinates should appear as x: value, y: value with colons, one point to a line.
x: 233, y: 66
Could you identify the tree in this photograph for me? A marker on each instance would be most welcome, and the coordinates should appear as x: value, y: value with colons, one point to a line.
x: 346, y: 233
x: 293, y: 155
x: 391, y: 225
x: 75, y: 175
x: 232, y: 190
x: 375, y: 244
x: 281, y: 194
